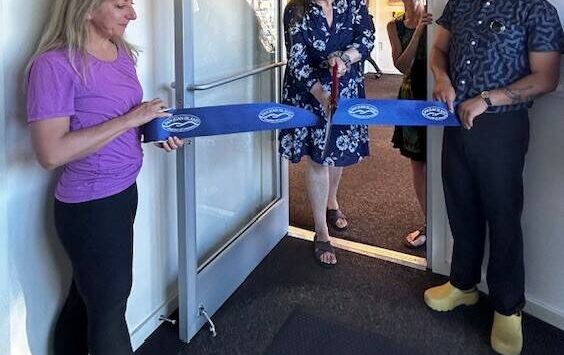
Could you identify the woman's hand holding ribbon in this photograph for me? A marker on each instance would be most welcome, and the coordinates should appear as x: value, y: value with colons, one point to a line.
x: 145, y: 112
x: 172, y: 143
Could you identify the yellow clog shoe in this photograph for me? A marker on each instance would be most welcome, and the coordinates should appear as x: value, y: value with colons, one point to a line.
x: 507, y: 334
x: 446, y: 297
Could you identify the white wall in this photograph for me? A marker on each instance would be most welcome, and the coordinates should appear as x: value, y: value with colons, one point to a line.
x: 543, y: 220
x: 38, y: 273
x: 4, y: 290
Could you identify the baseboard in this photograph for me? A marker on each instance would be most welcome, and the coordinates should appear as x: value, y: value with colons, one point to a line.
x: 151, y: 323
x: 391, y: 71
x: 537, y: 309
x: 545, y: 312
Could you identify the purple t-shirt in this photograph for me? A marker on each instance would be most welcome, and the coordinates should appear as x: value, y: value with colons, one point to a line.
x: 111, y: 89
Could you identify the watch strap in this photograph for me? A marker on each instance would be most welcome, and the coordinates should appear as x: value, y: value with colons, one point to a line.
x: 485, y: 95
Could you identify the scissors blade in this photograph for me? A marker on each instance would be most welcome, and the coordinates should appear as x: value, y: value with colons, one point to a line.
x: 332, y: 108
x: 327, y: 134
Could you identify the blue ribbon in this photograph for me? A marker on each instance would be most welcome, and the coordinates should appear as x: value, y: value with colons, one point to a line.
x: 393, y: 112
x: 217, y: 120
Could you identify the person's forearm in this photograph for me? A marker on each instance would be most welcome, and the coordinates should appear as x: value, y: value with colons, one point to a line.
x: 406, y: 59
x: 78, y: 144
x: 527, y: 89
x: 89, y: 140
x: 317, y: 91
x: 321, y: 95
x: 439, y: 65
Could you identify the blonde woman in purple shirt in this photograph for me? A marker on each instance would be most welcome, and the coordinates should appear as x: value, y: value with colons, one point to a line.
x: 84, y: 109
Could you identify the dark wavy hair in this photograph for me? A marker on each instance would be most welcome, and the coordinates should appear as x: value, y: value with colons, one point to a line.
x: 300, y: 8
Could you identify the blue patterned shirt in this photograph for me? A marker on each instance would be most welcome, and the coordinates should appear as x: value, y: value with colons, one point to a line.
x: 491, y: 40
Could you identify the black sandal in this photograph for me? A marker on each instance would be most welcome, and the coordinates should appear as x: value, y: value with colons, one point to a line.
x: 333, y: 216
x: 320, y: 248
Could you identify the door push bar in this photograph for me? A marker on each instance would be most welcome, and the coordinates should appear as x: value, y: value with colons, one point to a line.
x: 220, y: 82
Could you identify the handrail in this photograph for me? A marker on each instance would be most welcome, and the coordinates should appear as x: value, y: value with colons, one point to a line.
x: 243, y: 75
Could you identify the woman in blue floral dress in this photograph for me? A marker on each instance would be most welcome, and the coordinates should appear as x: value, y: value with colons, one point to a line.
x: 321, y: 34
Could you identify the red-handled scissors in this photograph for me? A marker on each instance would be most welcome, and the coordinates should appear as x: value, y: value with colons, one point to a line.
x: 332, y: 108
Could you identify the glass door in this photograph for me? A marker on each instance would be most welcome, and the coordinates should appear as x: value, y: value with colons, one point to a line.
x: 233, y: 205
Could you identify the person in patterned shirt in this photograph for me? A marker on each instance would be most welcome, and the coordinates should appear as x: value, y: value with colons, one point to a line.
x: 490, y: 60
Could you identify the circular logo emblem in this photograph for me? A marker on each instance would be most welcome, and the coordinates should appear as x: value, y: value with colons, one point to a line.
x: 276, y: 115
x: 364, y: 111
x: 181, y: 123
x: 435, y: 113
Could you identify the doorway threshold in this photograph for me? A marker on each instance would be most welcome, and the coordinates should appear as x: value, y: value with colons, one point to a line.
x: 395, y: 257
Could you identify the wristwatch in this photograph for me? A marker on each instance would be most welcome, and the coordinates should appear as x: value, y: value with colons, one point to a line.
x: 485, y: 95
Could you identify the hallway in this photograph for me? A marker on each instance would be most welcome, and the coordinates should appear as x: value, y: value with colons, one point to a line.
x: 376, y: 195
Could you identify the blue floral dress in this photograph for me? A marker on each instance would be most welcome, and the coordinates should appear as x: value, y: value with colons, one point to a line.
x: 309, y: 42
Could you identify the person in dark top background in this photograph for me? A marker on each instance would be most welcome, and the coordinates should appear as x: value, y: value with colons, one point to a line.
x: 408, y: 37
x: 490, y: 60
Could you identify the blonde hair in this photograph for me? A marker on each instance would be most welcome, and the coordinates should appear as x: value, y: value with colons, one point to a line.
x: 66, y: 29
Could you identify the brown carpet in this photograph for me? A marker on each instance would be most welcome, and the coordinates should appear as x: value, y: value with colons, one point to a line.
x: 376, y: 195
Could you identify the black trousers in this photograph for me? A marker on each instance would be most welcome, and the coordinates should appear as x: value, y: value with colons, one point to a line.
x: 483, y: 185
x: 98, y: 238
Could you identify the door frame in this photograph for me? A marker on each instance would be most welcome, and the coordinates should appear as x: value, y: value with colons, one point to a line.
x: 242, y: 253
x: 439, y: 243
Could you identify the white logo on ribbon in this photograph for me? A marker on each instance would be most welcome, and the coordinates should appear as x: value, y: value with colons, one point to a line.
x: 435, y: 113
x: 181, y: 123
x: 364, y: 111
x: 275, y: 115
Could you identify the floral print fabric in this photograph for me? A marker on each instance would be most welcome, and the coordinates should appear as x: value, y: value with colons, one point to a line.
x: 309, y: 43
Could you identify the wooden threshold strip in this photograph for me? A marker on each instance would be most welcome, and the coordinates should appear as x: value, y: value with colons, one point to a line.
x: 396, y: 257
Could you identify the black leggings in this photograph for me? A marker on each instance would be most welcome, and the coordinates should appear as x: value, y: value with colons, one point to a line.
x: 98, y: 238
